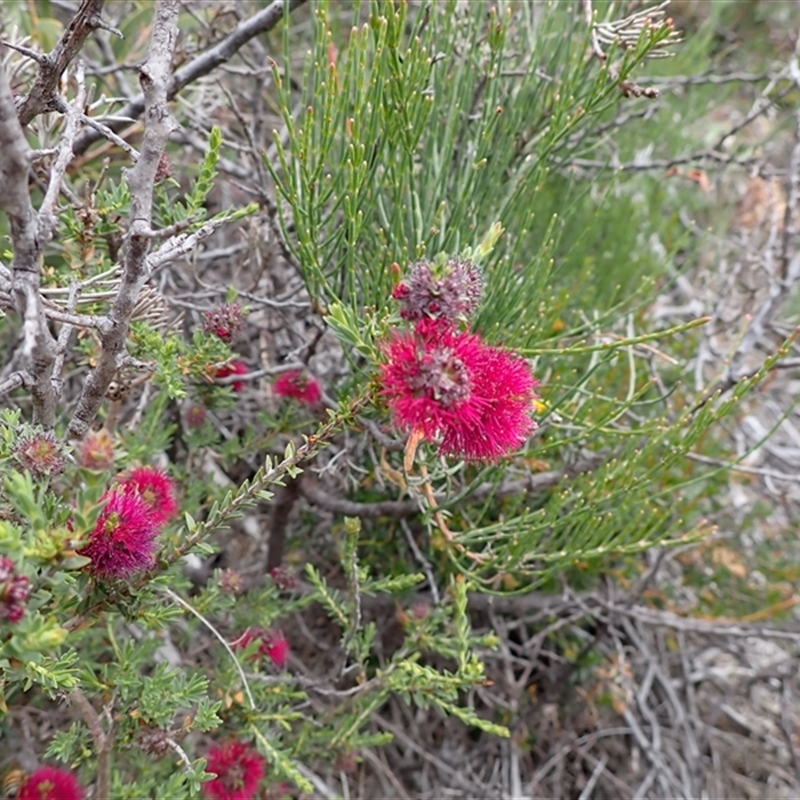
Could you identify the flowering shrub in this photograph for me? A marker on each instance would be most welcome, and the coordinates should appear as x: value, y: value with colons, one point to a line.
x: 167, y: 634
x: 298, y: 386
x: 238, y: 769
x: 123, y: 540
x: 235, y: 367
x: 14, y: 591
x: 444, y: 384
x: 271, y: 643
x: 50, y: 783
x: 155, y: 489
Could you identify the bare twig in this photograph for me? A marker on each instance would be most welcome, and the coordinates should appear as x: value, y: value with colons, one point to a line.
x: 52, y: 66
x: 38, y: 343
x: 154, y: 77
x: 101, y: 740
x: 219, y: 53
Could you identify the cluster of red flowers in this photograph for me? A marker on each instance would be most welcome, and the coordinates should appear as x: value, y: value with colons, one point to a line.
x: 239, y: 770
x: 14, y: 591
x: 271, y: 643
x: 50, y: 783
x: 234, y: 367
x: 299, y: 386
x: 135, y: 510
x: 445, y: 384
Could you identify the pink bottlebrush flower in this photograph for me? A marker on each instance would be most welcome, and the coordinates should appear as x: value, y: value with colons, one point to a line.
x: 239, y: 770
x: 41, y: 454
x: 96, y: 451
x: 450, y: 298
x: 155, y: 488
x: 123, y: 540
x: 223, y: 321
x: 271, y: 643
x: 451, y: 386
x: 14, y: 591
x: 233, y: 368
x: 299, y: 386
x: 50, y: 783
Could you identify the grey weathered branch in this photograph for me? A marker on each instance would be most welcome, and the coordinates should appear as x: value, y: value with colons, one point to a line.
x: 52, y: 66
x: 38, y: 344
x: 205, y: 63
x: 154, y: 78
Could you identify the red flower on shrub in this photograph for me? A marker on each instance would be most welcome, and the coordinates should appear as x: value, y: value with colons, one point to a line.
x: 239, y: 770
x: 155, y: 488
x: 451, y: 386
x: 14, y: 591
x: 123, y: 540
x: 272, y: 644
x: 50, y: 783
x: 298, y: 386
x: 232, y: 368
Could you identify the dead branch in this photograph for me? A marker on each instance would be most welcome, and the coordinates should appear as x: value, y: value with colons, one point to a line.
x: 202, y: 65
x: 154, y: 78
x: 38, y: 346
x: 42, y: 95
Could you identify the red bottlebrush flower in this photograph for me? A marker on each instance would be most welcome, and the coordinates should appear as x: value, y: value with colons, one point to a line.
x: 451, y: 386
x: 14, y: 591
x: 239, y: 770
x: 299, y: 386
x: 233, y: 368
x: 123, y: 540
x: 155, y: 488
x: 50, y: 783
x: 96, y: 451
x: 271, y: 643
x: 41, y: 454
x: 452, y: 297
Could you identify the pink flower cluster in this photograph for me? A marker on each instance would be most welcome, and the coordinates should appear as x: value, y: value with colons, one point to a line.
x: 239, y: 770
x: 135, y: 510
x: 14, y: 591
x: 50, y: 783
x: 223, y: 321
x: 271, y: 644
x: 299, y: 386
x: 447, y: 385
x: 234, y: 367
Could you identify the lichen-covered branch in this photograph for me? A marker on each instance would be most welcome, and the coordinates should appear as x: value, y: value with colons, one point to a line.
x: 53, y: 65
x: 154, y: 78
x: 38, y: 346
x: 203, y: 64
